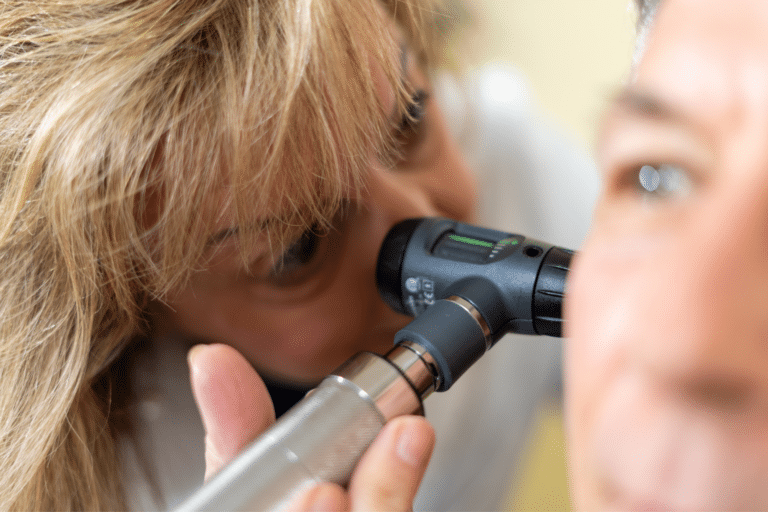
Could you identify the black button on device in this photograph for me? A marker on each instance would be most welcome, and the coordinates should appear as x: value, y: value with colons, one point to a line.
x: 461, y: 248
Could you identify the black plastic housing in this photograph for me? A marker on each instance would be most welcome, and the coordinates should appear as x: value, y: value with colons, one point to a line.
x: 516, y: 283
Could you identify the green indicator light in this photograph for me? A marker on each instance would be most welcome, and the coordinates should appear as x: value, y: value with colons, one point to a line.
x: 470, y: 241
x: 508, y: 241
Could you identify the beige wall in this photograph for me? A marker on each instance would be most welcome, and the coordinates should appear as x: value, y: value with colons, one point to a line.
x: 575, y: 52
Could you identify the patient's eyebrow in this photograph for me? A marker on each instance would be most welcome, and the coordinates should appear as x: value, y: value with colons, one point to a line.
x: 652, y: 106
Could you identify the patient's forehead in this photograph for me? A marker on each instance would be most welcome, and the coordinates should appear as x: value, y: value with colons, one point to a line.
x: 733, y: 30
x: 709, y: 57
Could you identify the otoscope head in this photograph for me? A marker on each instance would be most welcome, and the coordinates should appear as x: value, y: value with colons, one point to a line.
x: 497, y: 283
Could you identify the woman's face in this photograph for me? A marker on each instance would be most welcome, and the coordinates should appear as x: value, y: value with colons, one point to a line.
x: 299, y: 322
x: 667, y: 314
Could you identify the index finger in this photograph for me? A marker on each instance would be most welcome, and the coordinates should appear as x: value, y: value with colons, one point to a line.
x: 389, y: 474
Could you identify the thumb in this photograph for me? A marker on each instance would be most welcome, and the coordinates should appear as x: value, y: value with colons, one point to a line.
x: 233, y: 401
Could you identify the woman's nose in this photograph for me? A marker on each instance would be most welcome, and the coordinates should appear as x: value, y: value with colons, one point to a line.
x: 449, y: 184
x: 436, y: 177
x: 700, y: 304
x: 442, y: 187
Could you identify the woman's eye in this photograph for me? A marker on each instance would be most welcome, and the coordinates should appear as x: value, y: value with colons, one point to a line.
x: 661, y: 181
x: 414, y: 112
x: 291, y: 265
x: 306, y: 266
x: 410, y: 131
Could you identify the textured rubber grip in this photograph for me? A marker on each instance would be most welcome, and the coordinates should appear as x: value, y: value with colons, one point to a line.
x: 549, y: 292
x: 452, y: 337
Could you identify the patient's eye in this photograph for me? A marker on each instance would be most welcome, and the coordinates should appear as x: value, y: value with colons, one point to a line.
x: 662, y: 181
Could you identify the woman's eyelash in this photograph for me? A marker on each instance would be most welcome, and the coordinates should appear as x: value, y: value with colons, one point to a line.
x: 414, y: 112
x: 299, y: 253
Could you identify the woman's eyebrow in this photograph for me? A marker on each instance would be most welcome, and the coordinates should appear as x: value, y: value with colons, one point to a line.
x: 221, y: 236
x: 233, y: 231
x: 403, y: 77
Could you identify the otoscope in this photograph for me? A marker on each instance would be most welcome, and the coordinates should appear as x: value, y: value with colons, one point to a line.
x: 467, y: 286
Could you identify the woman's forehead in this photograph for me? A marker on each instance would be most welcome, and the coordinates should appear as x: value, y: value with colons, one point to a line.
x: 278, y: 204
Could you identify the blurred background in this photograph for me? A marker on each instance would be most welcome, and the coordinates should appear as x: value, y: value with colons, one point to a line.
x: 574, y: 52
x: 575, y: 55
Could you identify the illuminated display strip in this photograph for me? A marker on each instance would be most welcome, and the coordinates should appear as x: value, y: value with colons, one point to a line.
x: 470, y: 241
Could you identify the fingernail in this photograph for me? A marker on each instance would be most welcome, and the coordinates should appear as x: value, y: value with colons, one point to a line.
x: 411, y: 445
x: 194, y: 371
x: 323, y: 500
x: 194, y: 351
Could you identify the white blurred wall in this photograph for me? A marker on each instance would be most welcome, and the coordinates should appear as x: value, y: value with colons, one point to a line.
x: 574, y: 52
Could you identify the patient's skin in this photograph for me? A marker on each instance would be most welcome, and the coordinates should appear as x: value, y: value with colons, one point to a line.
x: 667, y: 367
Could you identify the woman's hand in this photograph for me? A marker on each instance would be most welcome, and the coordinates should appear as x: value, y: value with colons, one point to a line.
x: 236, y: 408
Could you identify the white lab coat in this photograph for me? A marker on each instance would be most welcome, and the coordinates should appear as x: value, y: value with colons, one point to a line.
x: 534, y: 181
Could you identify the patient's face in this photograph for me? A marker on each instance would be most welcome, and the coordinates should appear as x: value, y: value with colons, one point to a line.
x: 667, y: 367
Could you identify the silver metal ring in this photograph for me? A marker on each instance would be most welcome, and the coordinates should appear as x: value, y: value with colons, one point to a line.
x: 474, y: 313
x: 428, y: 361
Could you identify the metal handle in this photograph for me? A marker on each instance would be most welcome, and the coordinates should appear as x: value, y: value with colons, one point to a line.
x: 322, y: 437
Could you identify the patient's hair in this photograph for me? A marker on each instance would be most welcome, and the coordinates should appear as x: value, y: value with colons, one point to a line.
x: 119, y: 122
x: 646, y: 11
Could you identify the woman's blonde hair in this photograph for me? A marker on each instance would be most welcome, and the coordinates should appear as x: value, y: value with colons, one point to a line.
x: 119, y: 122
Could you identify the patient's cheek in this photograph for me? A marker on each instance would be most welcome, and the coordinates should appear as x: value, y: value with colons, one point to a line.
x: 609, y: 285
x: 596, y: 309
